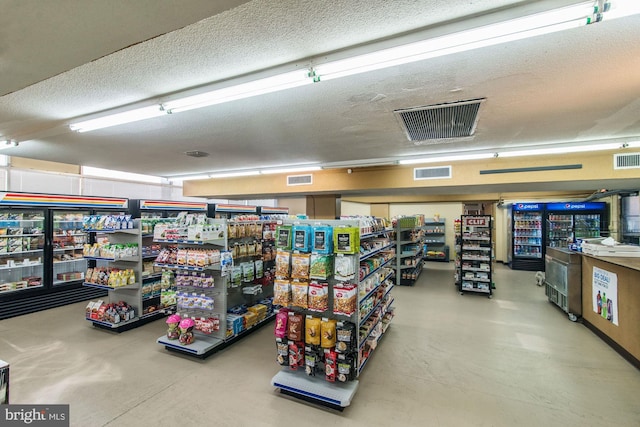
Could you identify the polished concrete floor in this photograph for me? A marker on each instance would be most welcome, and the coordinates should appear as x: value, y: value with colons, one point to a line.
x: 447, y: 360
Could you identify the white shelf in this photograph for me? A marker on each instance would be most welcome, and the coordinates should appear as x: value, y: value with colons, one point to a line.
x: 375, y: 251
x: 188, y: 267
x: 12, y: 236
x: 110, y: 288
x: 316, y: 388
x: 217, y: 242
x: 20, y: 252
x: 112, y: 325
x: 126, y: 259
x: 66, y: 261
x: 4, y: 267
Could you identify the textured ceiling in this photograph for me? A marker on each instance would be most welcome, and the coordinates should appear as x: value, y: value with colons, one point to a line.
x: 581, y: 84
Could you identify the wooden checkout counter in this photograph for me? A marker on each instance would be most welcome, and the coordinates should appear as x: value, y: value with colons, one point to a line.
x: 618, y: 326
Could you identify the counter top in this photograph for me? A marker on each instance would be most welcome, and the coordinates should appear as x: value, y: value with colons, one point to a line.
x: 628, y: 262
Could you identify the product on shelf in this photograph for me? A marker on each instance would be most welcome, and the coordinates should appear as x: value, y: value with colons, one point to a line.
x: 318, y: 297
x: 283, y: 264
x: 295, y: 327
x: 281, y: 326
x: 301, y: 237
x: 328, y: 333
x: 112, y: 251
x: 282, y: 353
x: 107, y: 222
x: 284, y: 237
x: 281, y: 292
x: 344, y: 268
x: 344, y: 299
x: 311, y: 360
x: 186, y: 326
x: 299, y: 292
x: 330, y: 365
x: 312, y: 330
x: 346, y: 240
x: 113, y: 313
x: 296, y: 354
x: 108, y: 276
x: 300, y: 266
x: 320, y: 266
x: 172, y: 321
x: 207, y: 325
x: 322, y: 239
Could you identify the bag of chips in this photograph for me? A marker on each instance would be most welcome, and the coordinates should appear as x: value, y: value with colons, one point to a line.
x: 312, y: 330
x: 318, y: 297
x: 299, y: 291
x: 328, y: 333
x: 281, y: 292
x: 300, y: 266
x: 282, y: 264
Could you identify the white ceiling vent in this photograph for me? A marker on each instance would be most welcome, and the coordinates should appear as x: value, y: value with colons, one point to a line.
x: 434, y: 123
x: 300, y: 179
x: 438, y: 172
x: 626, y: 161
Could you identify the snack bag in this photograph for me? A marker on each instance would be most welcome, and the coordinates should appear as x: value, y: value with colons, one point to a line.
x: 280, y: 330
x: 299, y: 291
x: 318, y: 297
x: 295, y: 327
x: 346, y: 337
x: 330, y: 366
x: 283, y: 237
x: 346, y: 240
x: 312, y: 330
x: 328, y: 333
x: 282, y: 350
x: 296, y: 355
x: 281, y: 292
x: 320, y: 266
x: 301, y: 238
x: 344, y: 299
x: 344, y: 268
x: 322, y: 239
x: 282, y: 264
x: 346, y: 368
x: 311, y: 359
x: 300, y: 266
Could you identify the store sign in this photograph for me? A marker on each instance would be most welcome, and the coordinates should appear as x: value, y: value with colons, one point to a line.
x: 475, y: 222
x: 586, y: 206
x: 605, y: 294
x: 527, y: 207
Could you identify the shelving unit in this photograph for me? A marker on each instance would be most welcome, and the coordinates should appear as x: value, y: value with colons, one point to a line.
x: 475, y: 271
x: 68, y: 241
x: 434, y: 240
x: 370, y: 320
x: 224, y: 293
x: 131, y: 293
x: 410, y: 234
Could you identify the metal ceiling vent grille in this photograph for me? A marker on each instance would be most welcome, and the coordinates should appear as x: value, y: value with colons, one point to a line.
x: 626, y: 161
x: 299, y: 180
x: 438, y: 172
x: 441, y: 121
x: 196, y: 153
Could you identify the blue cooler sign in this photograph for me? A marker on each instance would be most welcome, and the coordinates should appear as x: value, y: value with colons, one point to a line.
x: 527, y: 207
x: 576, y: 206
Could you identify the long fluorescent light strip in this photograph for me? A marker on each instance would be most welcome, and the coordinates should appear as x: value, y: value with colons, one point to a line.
x: 515, y: 29
x: 290, y: 170
x: 118, y: 119
x: 244, y: 90
x: 454, y: 157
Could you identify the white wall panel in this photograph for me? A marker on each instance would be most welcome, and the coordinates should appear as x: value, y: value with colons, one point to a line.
x: 43, y: 182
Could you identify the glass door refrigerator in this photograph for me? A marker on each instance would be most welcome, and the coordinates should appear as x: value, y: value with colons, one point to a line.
x: 568, y: 221
x: 149, y: 209
x: 41, y: 242
x: 527, y: 236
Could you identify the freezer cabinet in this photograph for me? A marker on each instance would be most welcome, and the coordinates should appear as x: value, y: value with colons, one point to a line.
x: 563, y: 280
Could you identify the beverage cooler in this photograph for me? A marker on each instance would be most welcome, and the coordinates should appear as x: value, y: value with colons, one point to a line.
x: 527, y: 245
x: 167, y: 209
x: 568, y: 221
x: 41, y: 249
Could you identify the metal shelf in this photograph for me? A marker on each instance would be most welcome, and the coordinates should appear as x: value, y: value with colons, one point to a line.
x: 110, y: 231
x: 126, y: 259
x: 110, y: 288
x: 188, y: 267
x: 381, y: 266
x: 21, y: 266
x: 113, y: 325
x: 217, y: 242
x: 375, y: 251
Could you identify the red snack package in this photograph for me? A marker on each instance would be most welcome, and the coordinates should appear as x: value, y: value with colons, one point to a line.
x: 330, y: 365
x: 281, y: 324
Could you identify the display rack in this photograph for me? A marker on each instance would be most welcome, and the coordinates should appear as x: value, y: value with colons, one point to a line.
x: 457, y: 234
x: 476, y: 271
x: 225, y: 293
x: 372, y: 314
x: 130, y: 293
x: 435, y: 240
x: 409, y: 232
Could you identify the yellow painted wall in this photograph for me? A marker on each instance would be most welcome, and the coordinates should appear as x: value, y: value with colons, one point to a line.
x: 352, y: 209
x: 42, y: 165
x: 296, y: 205
x: 448, y: 211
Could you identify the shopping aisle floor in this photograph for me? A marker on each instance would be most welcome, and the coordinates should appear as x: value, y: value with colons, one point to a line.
x: 447, y: 360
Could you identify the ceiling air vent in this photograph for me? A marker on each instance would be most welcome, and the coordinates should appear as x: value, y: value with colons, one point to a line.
x: 299, y: 179
x: 626, y: 161
x: 441, y: 121
x: 438, y: 172
x: 196, y: 153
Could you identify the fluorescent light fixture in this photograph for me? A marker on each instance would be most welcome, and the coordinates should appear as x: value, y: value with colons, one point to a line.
x: 514, y: 29
x: 234, y: 174
x: 622, y: 8
x: 244, y: 90
x: 451, y: 158
x: 4, y: 160
x: 291, y: 170
x: 126, y: 176
x: 567, y: 149
x: 188, y: 178
x: 8, y: 143
x: 118, y: 119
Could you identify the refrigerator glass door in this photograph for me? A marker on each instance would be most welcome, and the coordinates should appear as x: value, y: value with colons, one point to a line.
x: 527, y: 234
x: 21, y: 250
x: 68, y: 240
x: 559, y: 230
x: 587, y: 226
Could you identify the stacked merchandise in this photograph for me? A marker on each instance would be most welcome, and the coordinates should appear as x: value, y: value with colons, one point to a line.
x: 112, y: 313
x: 475, y: 270
x: 332, y: 290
